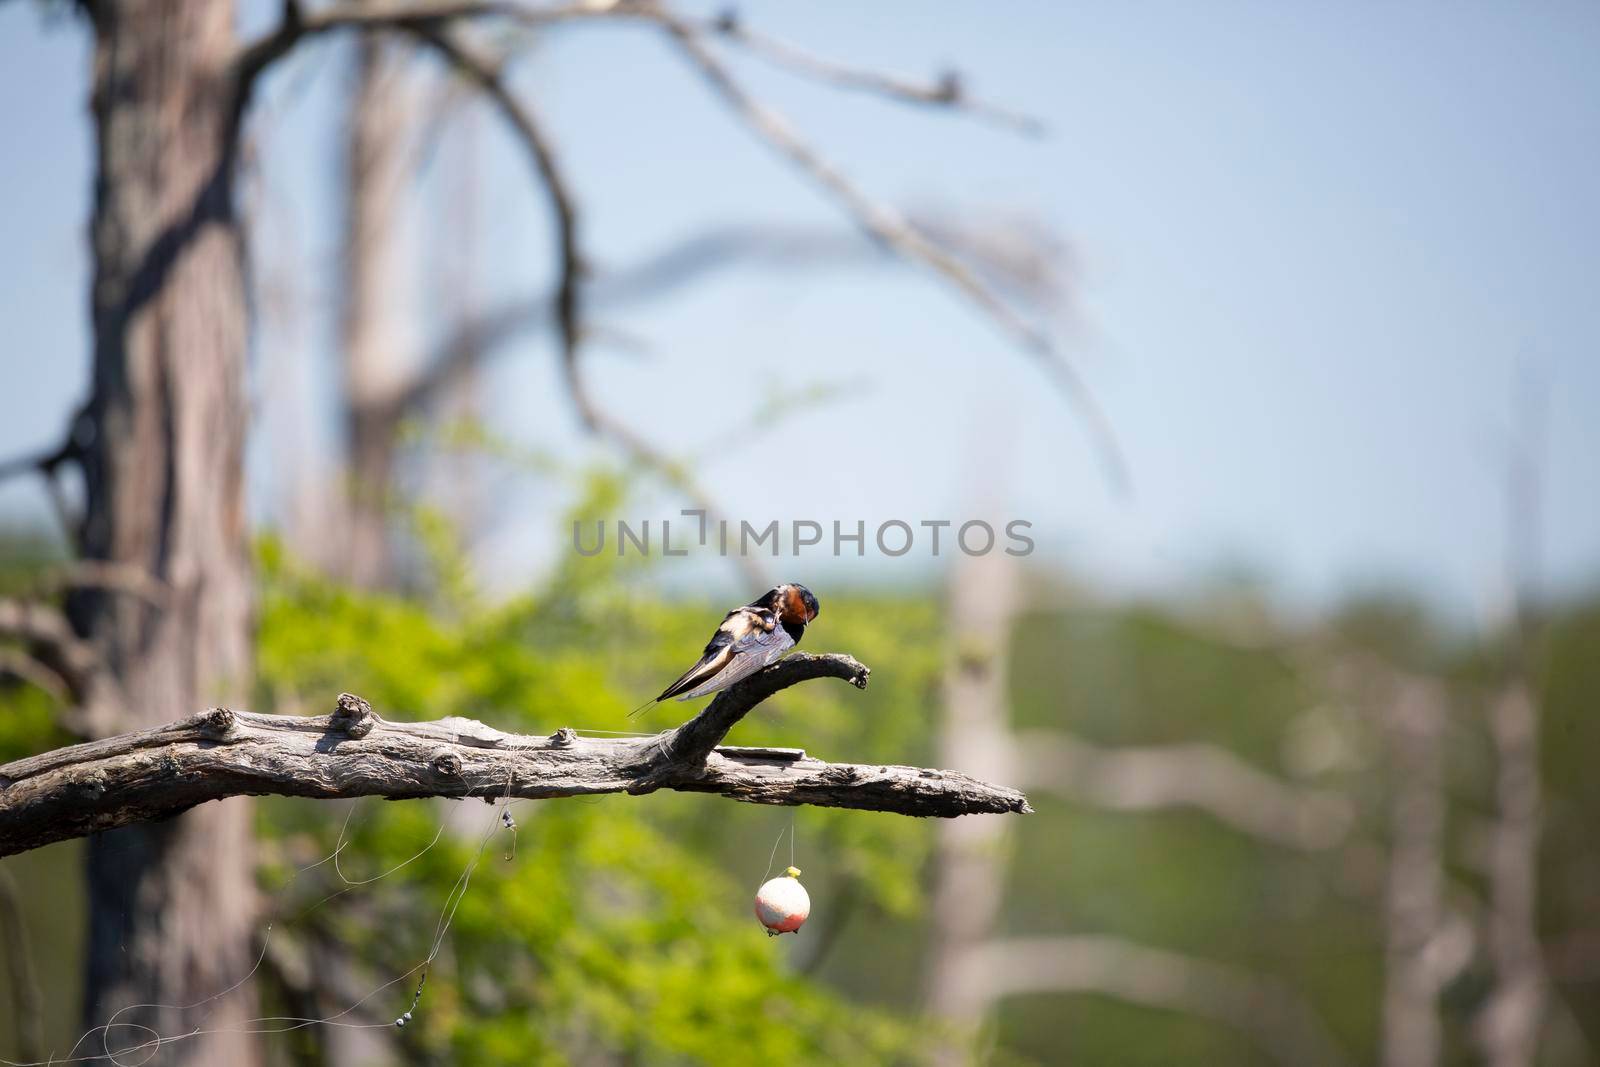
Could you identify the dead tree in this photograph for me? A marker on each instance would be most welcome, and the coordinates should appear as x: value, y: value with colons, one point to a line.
x: 160, y: 445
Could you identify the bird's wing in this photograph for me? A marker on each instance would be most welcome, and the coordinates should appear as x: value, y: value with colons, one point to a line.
x: 747, y: 640
x: 750, y: 654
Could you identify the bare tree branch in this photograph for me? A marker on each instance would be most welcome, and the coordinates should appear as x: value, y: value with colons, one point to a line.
x: 107, y: 576
x: 889, y: 227
x: 157, y: 773
x: 947, y: 92
x: 1271, y: 1014
x: 46, y: 461
x: 260, y: 55
x: 18, y: 664
x: 31, y: 463
x: 1200, y: 776
x: 55, y: 643
x: 1018, y: 266
x: 46, y: 464
x: 56, y: 660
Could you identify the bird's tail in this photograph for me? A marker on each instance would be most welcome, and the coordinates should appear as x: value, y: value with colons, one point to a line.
x: 712, y: 662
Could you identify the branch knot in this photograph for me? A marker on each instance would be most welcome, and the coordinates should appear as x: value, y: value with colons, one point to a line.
x: 353, y: 716
x: 218, y: 722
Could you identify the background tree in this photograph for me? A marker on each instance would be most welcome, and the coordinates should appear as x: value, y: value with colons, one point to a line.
x: 161, y: 447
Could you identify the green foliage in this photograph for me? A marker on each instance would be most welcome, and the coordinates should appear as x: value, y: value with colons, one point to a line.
x: 28, y: 716
x: 27, y: 722
x: 621, y: 926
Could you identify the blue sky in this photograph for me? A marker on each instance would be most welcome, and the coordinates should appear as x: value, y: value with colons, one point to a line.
x: 1312, y: 244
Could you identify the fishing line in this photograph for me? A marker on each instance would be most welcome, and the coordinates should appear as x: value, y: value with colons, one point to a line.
x: 130, y: 1055
x: 353, y: 883
x: 349, y: 883
x: 778, y: 841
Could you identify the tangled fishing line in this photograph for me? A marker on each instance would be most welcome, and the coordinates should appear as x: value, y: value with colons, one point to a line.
x: 146, y: 1042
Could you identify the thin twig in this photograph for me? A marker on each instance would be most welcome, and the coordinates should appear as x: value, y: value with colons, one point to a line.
x: 55, y: 642
x: 109, y: 576
x: 19, y: 664
x: 25, y: 464
x: 947, y: 92
x: 43, y: 462
x: 738, y: 245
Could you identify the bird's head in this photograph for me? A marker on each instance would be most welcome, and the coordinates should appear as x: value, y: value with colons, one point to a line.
x: 793, y: 603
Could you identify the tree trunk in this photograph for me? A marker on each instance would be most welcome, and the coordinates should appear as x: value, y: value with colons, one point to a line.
x: 172, y: 905
x: 971, y: 855
x: 374, y: 298
x: 1413, y: 897
x: 1512, y: 1018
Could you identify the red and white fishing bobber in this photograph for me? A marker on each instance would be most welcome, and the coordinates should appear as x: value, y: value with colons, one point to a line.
x: 783, y: 904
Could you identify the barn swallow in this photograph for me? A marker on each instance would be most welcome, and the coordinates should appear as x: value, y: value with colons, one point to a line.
x: 748, y: 639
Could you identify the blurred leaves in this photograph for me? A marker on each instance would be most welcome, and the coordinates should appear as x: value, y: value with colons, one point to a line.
x: 623, y: 926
